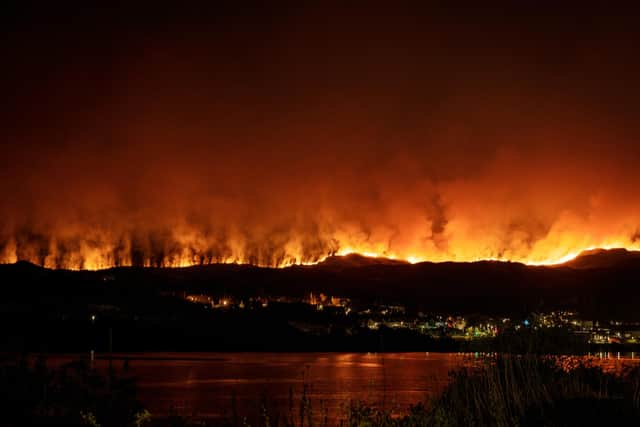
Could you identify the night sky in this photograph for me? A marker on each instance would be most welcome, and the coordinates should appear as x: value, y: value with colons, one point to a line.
x: 282, y: 135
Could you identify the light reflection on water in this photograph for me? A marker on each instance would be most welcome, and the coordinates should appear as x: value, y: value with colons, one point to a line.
x: 206, y: 384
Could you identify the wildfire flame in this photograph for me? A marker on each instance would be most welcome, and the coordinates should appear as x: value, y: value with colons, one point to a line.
x: 97, y: 255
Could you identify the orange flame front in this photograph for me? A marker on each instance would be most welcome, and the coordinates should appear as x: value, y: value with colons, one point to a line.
x: 188, y: 248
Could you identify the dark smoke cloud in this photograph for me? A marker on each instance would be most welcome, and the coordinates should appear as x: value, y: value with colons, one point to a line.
x: 281, y: 137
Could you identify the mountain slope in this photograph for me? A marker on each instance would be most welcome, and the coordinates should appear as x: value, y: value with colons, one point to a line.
x: 603, y: 283
x: 604, y: 258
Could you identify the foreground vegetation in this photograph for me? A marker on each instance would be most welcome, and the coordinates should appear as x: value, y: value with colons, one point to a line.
x: 499, y: 391
x: 535, y: 390
x: 31, y: 394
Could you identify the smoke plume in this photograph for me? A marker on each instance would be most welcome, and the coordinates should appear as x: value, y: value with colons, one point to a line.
x: 414, y: 134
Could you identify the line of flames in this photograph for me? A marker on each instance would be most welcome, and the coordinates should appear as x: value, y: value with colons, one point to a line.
x: 99, y: 264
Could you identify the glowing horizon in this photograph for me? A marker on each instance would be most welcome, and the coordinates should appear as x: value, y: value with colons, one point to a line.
x: 184, y: 263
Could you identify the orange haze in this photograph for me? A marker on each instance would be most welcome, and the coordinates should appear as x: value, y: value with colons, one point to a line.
x: 413, y: 134
x: 191, y: 208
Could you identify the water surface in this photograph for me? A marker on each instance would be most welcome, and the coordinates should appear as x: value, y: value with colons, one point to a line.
x: 211, y: 384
